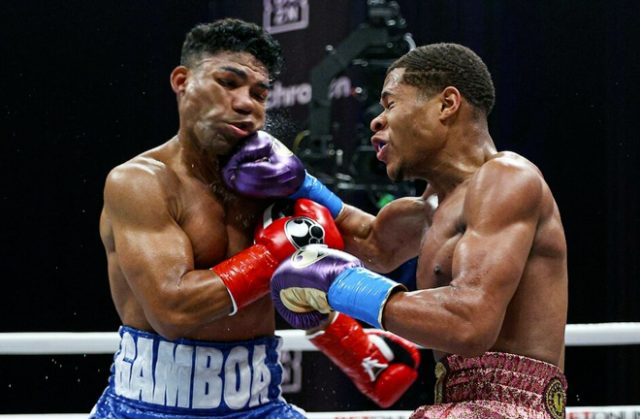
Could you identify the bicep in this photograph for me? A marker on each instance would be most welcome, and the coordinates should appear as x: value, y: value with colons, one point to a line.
x: 152, y: 250
x: 502, y: 215
x: 150, y: 255
x: 491, y: 263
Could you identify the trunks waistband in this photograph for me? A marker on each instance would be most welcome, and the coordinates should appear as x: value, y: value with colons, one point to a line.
x: 502, y: 377
x: 189, y: 376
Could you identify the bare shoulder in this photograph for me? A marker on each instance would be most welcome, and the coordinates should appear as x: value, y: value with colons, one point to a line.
x: 136, y: 177
x: 508, y: 169
x: 140, y: 186
x: 507, y: 185
x: 511, y: 163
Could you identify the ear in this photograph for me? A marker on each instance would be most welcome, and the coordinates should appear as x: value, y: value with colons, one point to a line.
x: 450, y: 102
x: 178, y: 79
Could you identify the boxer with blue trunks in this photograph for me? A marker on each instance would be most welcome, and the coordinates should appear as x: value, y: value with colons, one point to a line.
x: 156, y: 378
x: 190, y: 261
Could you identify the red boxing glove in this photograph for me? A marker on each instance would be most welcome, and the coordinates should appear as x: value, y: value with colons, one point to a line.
x: 382, y: 365
x: 247, y: 274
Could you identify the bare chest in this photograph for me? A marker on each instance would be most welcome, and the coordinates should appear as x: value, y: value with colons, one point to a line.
x: 435, y: 264
x: 217, y: 226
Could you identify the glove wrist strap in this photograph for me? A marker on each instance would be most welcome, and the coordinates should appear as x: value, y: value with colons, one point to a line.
x: 246, y: 275
x: 362, y: 294
x: 313, y: 189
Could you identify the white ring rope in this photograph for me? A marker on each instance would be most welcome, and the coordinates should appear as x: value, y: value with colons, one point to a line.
x: 38, y: 343
x: 42, y: 343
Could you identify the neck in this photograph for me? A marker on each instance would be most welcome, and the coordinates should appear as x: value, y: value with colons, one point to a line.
x: 200, y: 162
x: 465, y: 151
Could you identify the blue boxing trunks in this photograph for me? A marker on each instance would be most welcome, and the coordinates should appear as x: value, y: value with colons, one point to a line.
x: 152, y: 377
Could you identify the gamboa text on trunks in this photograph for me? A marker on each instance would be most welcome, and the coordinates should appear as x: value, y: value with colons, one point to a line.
x: 25, y: 343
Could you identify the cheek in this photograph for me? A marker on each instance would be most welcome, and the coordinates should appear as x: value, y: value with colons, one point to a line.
x: 418, y: 121
x: 403, y: 126
x: 261, y: 117
x: 206, y: 95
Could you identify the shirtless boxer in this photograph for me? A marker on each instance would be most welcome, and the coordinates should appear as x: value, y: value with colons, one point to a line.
x: 492, y: 271
x: 189, y: 274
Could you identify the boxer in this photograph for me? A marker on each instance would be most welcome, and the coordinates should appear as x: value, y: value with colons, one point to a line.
x: 190, y: 261
x: 492, y: 260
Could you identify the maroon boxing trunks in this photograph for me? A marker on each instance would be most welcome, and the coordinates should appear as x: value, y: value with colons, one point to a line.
x: 496, y: 385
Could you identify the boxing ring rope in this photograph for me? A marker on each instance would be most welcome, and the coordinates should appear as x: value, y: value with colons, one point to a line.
x: 47, y: 343
x: 43, y: 343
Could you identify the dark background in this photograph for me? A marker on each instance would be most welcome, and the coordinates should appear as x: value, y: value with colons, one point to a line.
x: 85, y: 86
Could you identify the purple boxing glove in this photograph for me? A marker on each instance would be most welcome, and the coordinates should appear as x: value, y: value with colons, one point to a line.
x: 316, y: 280
x: 300, y: 285
x: 264, y: 168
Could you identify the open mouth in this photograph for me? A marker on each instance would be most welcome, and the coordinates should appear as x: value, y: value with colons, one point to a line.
x: 241, y: 129
x: 245, y: 126
x: 379, y: 146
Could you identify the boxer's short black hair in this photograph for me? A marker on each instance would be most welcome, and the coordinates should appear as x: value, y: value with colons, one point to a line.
x: 436, y: 66
x: 233, y: 35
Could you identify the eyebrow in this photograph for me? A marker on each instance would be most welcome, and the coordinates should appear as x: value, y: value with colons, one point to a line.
x: 385, y: 95
x: 238, y: 72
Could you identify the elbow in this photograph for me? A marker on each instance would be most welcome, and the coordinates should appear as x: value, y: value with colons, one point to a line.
x: 477, y: 326
x: 169, y: 320
x: 474, y: 340
x: 170, y: 326
x: 171, y: 331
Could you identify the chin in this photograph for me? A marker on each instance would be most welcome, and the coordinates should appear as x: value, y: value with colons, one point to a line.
x: 220, y: 145
x: 395, y: 175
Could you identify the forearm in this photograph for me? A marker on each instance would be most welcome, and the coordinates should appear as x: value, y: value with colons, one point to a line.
x: 191, y: 301
x: 463, y: 320
x: 446, y: 319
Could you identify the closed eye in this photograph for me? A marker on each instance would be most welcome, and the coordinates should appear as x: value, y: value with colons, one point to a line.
x: 260, y: 96
x: 227, y: 83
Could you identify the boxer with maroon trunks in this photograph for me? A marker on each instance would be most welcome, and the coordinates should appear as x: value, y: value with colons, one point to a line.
x: 190, y: 261
x: 492, y: 269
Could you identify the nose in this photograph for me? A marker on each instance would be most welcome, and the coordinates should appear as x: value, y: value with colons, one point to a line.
x: 242, y: 102
x: 378, y: 123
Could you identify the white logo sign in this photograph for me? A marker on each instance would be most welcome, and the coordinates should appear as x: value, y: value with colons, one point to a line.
x: 300, y: 94
x: 309, y: 255
x: 373, y: 367
x: 285, y: 15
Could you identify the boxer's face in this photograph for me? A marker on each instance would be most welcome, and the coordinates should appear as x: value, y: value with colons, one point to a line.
x: 222, y: 99
x: 405, y: 131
